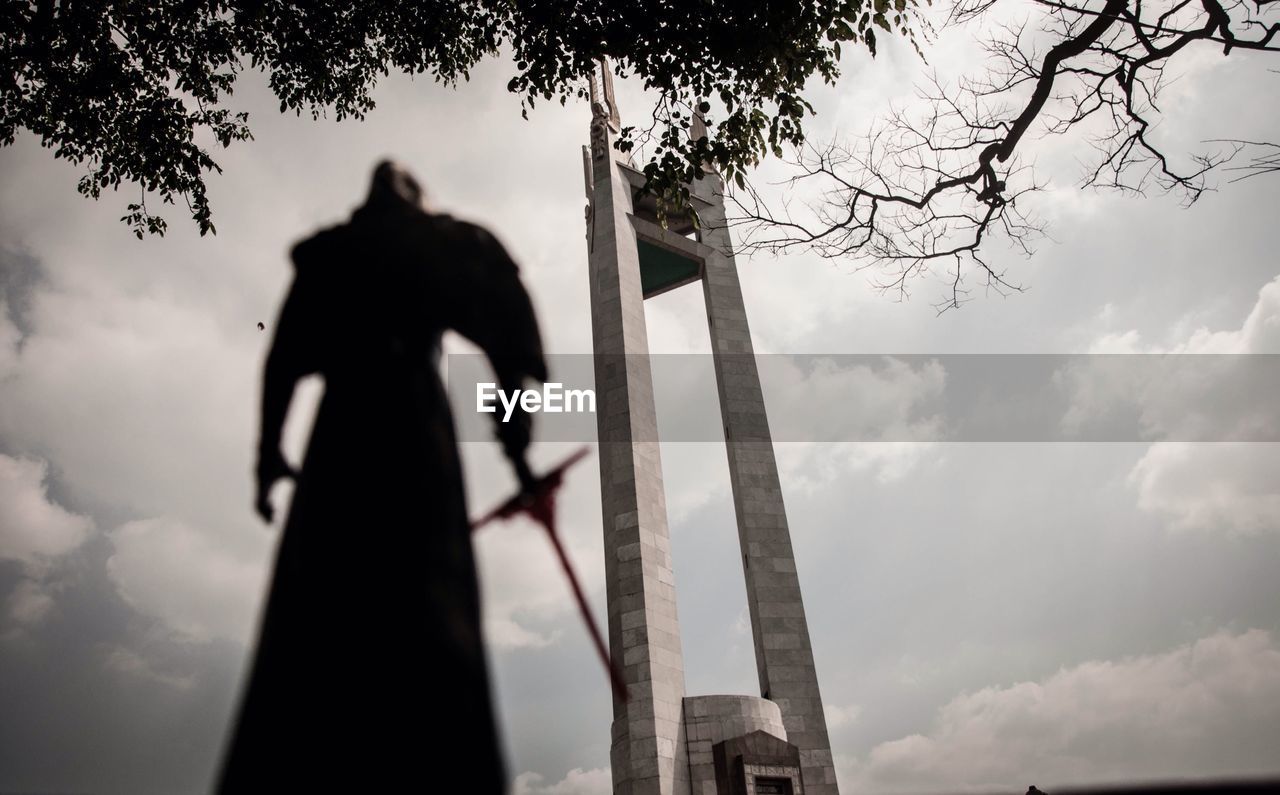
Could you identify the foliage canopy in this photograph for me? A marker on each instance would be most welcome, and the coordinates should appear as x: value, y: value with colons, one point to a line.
x: 139, y: 91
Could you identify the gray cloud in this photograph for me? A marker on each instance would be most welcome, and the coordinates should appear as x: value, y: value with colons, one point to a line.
x: 37, y: 534
x: 177, y: 574
x: 576, y: 782
x: 20, y: 276
x: 1204, y: 709
x: 1229, y: 488
x: 36, y: 529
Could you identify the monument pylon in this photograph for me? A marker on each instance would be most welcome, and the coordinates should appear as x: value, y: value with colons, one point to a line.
x: 664, y: 741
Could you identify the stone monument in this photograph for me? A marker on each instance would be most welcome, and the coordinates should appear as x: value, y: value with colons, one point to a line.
x: 665, y: 741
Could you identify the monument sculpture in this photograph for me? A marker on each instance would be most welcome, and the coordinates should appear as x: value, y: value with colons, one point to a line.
x: 664, y: 740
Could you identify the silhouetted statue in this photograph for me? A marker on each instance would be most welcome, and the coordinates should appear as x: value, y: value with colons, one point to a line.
x: 370, y: 674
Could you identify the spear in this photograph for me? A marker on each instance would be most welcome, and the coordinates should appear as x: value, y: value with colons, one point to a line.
x: 540, y: 504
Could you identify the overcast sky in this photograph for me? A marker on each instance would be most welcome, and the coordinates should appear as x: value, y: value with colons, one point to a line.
x: 982, y: 615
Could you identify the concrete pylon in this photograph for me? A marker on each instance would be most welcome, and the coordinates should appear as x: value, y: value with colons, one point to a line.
x: 659, y: 744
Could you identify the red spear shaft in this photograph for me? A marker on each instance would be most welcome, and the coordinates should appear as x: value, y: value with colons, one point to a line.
x: 540, y: 505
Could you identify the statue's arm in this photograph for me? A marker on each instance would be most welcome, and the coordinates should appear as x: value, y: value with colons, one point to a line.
x: 277, y: 394
x: 500, y: 319
x: 286, y: 363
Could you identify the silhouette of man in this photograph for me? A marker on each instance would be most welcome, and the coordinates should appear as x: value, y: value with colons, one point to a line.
x: 370, y: 673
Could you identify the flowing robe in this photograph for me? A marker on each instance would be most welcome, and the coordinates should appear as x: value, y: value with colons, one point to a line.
x: 370, y: 672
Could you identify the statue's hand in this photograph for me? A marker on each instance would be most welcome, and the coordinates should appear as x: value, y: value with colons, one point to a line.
x: 528, y: 483
x: 271, y: 467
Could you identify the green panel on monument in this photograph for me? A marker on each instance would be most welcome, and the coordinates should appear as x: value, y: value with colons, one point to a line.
x: 662, y: 269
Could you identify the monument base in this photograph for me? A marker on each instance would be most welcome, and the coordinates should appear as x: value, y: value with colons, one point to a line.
x: 738, y: 746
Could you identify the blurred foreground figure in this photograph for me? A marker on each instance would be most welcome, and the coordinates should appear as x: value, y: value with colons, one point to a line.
x: 370, y: 673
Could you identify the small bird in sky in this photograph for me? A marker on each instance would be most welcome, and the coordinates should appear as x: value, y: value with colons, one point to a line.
x: 261, y: 325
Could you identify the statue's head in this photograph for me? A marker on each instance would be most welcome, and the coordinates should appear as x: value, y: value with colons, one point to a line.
x: 393, y: 185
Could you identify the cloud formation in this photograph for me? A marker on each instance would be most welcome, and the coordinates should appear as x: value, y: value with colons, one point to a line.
x: 34, y: 532
x: 36, y: 529
x: 1200, y: 385
x: 1227, y: 487
x: 596, y: 781
x: 839, y: 717
x: 1259, y: 333
x: 170, y: 571
x: 1231, y: 486
x: 1211, y: 707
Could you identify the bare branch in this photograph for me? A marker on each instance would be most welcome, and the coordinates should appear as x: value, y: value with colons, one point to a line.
x: 926, y: 190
